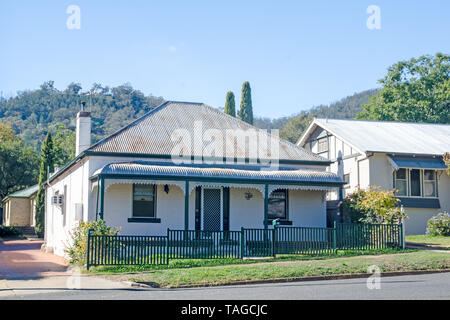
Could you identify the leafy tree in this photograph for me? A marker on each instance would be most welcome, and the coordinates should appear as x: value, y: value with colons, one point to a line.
x: 246, y: 109
x: 417, y: 90
x: 47, y: 166
x: 447, y: 161
x: 18, y: 162
x: 63, y: 145
x: 230, y: 106
x: 294, y: 127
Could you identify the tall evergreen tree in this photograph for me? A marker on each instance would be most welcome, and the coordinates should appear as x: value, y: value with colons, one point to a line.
x: 47, y: 166
x: 246, y: 109
x: 230, y: 105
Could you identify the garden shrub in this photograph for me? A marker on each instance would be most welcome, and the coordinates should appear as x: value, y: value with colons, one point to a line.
x: 9, y: 231
x: 77, y: 248
x: 439, y: 225
x: 372, y: 205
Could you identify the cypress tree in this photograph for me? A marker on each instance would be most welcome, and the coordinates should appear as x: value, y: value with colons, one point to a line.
x: 246, y: 109
x: 47, y: 166
x: 230, y: 105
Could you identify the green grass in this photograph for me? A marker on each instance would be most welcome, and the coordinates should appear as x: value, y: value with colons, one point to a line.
x: 217, y: 275
x: 435, y: 240
x: 196, y: 263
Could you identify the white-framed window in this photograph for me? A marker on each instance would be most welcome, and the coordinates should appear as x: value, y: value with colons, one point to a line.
x: 429, y: 183
x: 416, y: 183
x: 401, y: 182
x: 322, y: 145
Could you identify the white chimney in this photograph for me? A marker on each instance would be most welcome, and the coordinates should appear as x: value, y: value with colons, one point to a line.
x: 83, y: 130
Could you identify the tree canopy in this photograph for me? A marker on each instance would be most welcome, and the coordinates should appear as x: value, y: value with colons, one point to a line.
x: 230, y: 105
x: 18, y: 162
x: 417, y: 90
x: 246, y: 108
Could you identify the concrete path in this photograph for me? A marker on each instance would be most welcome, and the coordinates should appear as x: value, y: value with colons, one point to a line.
x: 27, y: 271
x: 23, y: 259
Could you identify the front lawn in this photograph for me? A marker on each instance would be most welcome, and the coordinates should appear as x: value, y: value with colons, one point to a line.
x: 427, y: 239
x: 195, y: 263
x: 219, y: 275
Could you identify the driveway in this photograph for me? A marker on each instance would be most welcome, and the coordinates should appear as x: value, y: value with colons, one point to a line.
x: 23, y: 259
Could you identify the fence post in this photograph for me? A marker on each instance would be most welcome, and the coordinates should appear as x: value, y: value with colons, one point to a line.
x: 274, y: 237
x: 335, y: 237
x: 88, y: 249
x: 242, y: 242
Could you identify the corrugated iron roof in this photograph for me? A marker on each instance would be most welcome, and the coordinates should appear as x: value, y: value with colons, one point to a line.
x: 151, y: 134
x: 391, y: 137
x: 143, y: 168
x: 25, y: 193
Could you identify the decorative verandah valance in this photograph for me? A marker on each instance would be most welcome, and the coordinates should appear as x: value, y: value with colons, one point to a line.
x: 188, y: 177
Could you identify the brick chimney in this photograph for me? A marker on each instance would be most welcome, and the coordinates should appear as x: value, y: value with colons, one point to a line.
x: 83, y: 130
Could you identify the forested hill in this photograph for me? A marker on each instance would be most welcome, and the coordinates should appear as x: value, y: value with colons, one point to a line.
x: 346, y: 108
x: 33, y: 113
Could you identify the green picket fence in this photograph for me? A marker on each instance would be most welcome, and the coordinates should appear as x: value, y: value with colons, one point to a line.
x: 198, y: 244
x: 304, y: 240
x: 126, y: 250
x: 359, y: 236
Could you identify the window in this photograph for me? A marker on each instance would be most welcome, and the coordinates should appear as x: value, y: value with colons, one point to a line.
x: 416, y: 183
x: 429, y: 183
x: 347, y: 179
x: 322, y: 145
x: 401, y: 182
x: 278, y: 205
x: 414, y: 177
x: 144, y: 201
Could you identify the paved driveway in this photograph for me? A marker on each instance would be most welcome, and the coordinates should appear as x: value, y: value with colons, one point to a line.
x: 23, y: 259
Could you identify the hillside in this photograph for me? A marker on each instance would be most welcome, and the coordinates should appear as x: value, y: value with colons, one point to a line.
x: 346, y: 108
x: 32, y: 113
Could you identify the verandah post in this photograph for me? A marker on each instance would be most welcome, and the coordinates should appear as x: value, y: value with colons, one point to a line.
x: 242, y: 243
x: 266, y: 205
x: 102, y: 196
x: 186, y: 206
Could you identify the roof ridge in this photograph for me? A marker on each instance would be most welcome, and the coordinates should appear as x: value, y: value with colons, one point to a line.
x: 384, y: 121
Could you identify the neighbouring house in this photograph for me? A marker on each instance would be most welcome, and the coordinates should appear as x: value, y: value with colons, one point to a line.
x: 19, y: 208
x: 391, y: 155
x: 185, y: 166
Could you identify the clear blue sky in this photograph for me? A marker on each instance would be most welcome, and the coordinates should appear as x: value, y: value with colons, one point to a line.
x: 295, y: 54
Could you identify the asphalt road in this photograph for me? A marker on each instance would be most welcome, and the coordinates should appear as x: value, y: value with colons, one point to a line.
x: 429, y: 286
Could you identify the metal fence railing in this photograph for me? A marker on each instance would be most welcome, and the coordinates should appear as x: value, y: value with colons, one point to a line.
x: 197, y: 244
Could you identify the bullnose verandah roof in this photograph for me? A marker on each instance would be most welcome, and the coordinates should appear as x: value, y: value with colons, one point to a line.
x: 224, y: 173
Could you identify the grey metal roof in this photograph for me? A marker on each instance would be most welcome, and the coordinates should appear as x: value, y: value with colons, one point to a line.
x: 151, y: 134
x: 149, y: 169
x: 391, y: 137
x: 24, y: 193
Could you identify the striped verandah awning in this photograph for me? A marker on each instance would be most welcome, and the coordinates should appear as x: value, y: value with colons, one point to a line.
x: 189, y: 176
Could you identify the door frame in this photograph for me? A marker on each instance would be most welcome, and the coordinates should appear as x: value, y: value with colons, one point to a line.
x: 202, y: 206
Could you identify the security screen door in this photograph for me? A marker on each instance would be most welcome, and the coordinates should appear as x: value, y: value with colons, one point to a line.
x: 212, y: 209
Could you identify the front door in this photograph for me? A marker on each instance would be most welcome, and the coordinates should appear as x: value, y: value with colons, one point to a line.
x: 212, y: 209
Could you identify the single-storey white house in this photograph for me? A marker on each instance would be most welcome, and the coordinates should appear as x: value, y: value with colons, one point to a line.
x: 391, y: 155
x: 185, y: 166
